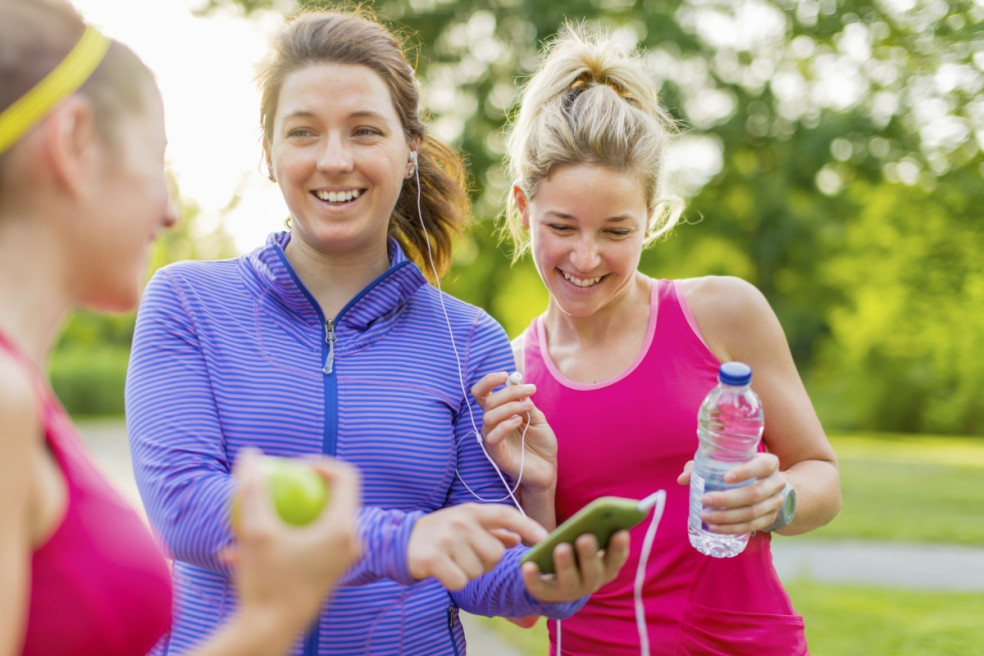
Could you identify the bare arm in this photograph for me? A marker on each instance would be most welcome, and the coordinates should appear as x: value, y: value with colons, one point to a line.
x: 738, y: 324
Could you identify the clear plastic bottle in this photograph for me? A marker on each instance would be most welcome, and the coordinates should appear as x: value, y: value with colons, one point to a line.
x: 729, y: 427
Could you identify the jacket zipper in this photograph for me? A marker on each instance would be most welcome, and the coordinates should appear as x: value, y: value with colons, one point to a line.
x: 451, y: 630
x: 330, y: 338
x: 312, y: 638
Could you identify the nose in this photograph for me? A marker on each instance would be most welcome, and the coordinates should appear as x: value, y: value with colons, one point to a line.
x: 170, y: 213
x: 584, y: 255
x: 171, y: 208
x: 335, y: 156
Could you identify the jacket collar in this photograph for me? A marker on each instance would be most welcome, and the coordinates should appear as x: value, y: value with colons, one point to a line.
x: 269, y: 268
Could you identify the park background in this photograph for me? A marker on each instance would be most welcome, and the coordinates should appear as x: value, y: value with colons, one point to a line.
x: 830, y: 153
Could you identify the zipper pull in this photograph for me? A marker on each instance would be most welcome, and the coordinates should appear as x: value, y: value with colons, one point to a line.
x: 330, y: 338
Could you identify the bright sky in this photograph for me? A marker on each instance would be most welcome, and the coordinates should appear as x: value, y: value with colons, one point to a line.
x: 205, y: 70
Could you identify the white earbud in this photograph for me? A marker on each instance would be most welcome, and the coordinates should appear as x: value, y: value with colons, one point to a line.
x: 413, y: 164
x: 515, y: 378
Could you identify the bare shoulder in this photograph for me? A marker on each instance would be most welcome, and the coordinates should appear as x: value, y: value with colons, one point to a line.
x: 21, y: 424
x: 19, y: 414
x: 722, y: 294
x: 728, y: 311
x: 17, y: 393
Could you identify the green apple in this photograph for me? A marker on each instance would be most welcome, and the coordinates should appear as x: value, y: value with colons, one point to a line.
x: 299, y: 493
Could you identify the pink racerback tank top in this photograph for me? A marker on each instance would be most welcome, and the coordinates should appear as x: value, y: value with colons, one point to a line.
x: 100, y: 585
x: 629, y: 437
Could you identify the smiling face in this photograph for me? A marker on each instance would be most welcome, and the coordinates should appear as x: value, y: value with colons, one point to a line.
x: 587, y: 225
x: 340, y: 156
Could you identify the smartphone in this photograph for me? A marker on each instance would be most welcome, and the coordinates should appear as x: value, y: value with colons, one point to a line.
x: 603, y: 517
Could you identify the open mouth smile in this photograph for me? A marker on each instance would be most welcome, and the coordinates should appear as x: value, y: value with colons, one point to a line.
x: 338, y: 197
x: 581, y: 282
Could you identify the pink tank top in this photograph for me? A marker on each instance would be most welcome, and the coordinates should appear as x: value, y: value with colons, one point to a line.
x: 100, y: 585
x: 629, y: 437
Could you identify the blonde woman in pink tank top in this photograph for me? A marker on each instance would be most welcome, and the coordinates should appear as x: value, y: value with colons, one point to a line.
x: 83, y: 194
x: 619, y: 363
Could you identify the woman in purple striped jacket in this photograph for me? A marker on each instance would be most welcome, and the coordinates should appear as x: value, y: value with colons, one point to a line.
x: 330, y: 340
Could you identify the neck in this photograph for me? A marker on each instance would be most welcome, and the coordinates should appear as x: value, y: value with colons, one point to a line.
x: 335, y: 279
x: 33, y: 295
x: 611, y: 322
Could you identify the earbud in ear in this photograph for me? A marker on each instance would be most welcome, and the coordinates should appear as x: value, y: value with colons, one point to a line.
x: 413, y: 164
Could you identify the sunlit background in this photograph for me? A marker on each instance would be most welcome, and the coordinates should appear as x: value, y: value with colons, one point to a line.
x: 204, y: 62
x: 830, y: 153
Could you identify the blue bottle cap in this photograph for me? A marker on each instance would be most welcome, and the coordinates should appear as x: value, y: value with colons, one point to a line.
x: 735, y: 373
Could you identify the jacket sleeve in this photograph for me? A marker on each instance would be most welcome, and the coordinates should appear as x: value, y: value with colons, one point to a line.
x: 385, y: 535
x: 180, y: 460
x: 500, y: 592
x: 477, y: 480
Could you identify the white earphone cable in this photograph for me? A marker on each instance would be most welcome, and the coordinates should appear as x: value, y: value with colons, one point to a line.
x: 461, y: 378
x: 640, y: 577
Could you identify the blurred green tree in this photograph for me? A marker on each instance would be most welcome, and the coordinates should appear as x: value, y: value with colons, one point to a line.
x: 812, y: 131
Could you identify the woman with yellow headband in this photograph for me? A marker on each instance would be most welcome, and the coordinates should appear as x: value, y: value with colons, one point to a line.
x: 83, y: 194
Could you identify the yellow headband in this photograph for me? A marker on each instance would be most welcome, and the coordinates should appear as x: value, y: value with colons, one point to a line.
x: 63, y: 80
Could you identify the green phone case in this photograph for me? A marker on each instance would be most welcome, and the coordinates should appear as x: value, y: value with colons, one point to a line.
x: 603, y: 517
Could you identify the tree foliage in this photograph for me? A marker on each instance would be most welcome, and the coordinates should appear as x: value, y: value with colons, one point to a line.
x: 830, y: 154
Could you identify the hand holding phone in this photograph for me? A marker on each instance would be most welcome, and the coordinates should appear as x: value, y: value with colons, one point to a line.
x: 602, y: 517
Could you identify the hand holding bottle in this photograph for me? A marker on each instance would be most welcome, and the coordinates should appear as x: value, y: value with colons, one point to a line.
x: 748, y: 508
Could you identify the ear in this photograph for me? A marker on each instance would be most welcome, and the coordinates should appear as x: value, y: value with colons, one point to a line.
x: 71, y: 140
x: 519, y: 197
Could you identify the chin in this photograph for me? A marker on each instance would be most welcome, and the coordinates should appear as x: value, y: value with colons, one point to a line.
x: 118, y: 302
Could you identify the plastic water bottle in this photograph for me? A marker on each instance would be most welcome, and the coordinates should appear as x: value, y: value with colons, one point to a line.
x: 729, y: 427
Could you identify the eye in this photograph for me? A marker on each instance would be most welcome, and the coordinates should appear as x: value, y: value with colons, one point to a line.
x: 367, y: 131
x: 299, y: 133
x: 620, y: 232
x: 560, y: 227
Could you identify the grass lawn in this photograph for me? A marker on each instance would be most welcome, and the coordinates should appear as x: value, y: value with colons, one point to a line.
x: 850, y: 621
x: 910, y: 488
x: 895, y: 488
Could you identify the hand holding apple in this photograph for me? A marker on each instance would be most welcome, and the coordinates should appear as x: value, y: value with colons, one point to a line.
x: 281, y: 570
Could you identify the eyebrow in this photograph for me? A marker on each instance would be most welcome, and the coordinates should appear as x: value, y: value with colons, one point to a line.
x: 612, y: 219
x: 362, y: 113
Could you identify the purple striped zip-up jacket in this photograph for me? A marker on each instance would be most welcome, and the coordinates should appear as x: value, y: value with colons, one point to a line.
x: 237, y: 353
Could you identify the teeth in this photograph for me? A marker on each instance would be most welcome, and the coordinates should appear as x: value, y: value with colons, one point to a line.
x: 338, y: 196
x: 580, y: 282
